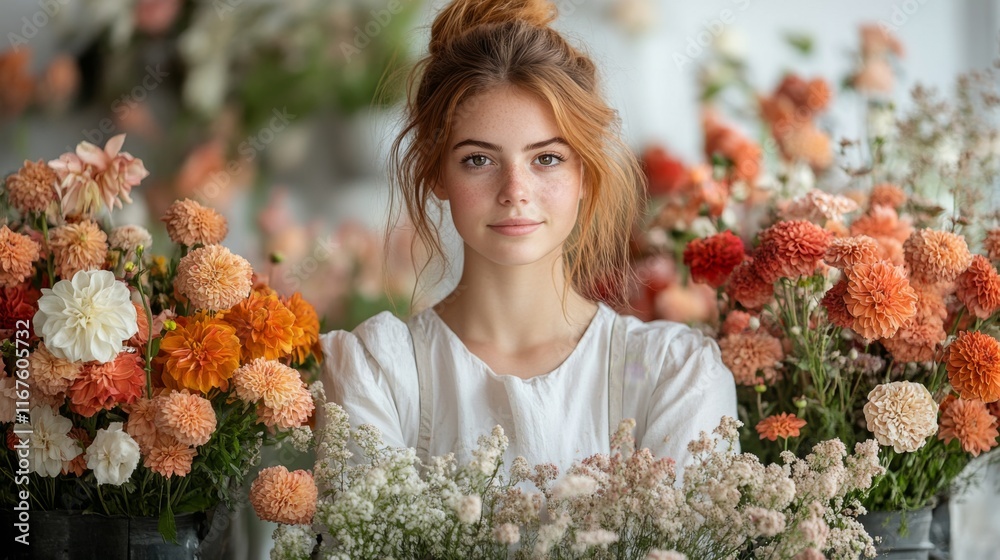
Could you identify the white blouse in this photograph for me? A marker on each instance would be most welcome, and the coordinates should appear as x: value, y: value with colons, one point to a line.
x: 670, y: 379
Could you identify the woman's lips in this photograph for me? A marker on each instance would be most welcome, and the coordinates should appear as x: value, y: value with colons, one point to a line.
x: 515, y: 230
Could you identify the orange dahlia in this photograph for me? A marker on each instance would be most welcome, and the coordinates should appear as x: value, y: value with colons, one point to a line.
x: 713, y: 258
x: 992, y: 244
x: 284, y: 497
x: 213, y: 278
x: 141, y: 423
x: 264, y: 326
x: 269, y: 381
x: 930, y: 301
x: 918, y: 340
x: 836, y: 307
x: 846, y: 252
x: 752, y: 357
x: 169, y: 457
x: 726, y: 141
x: 102, y: 386
x: 307, y: 328
x: 978, y: 288
x: 782, y: 426
x: 887, y: 194
x: 50, y: 374
x: 880, y: 299
x: 32, y: 188
x: 76, y: 247
x: 190, y: 419
x: 293, y: 414
x: 17, y: 253
x: 974, y: 366
x: 189, y: 223
x: 747, y: 287
x: 936, y: 256
x: 971, y: 423
x: 201, y: 354
x: 798, y: 246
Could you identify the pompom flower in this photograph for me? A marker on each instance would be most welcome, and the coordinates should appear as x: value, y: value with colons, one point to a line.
x: 169, y: 457
x: 189, y: 223
x: 268, y: 381
x: 213, y: 278
x: 918, y: 340
x: 17, y: 253
x: 76, y: 247
x: 102, y: 386
x: 752, y: 357
x: 201, y: 354
x: 901, y: 414
x: 882, y: 222
x: 141, y: 423
x: 880, y: 299
x: 782, y: 426
x: 798, y: 247
x: 978, y: 288
x: 50, y: 444
x: 836, y: 307
x: 292, y: 415
x: 306, y: 332
x: 190, y: 419
x: 748, y: 288
x: 713, y: 259
x: 128, y: 239
x: 50, y: 374
x: 264, y: 325
x: 86, y: 318
x: 974, y: 366
x: 32, y: 188
x: 971, y: 423
x: 736, y: 322
x: 992, y: 244
x: 887, y: 194
x: 92, y: 178
x: 284, y: 497
x: 845, y: 252
x: 936, y: 256
x: 113, y: 455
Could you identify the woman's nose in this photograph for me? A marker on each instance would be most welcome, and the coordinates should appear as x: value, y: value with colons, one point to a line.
x: 515, y: 186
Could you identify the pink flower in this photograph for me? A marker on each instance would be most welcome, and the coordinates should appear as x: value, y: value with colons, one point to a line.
x: 92, y: 178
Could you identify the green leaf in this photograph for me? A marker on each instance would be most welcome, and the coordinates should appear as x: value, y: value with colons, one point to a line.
x: 167, y: 525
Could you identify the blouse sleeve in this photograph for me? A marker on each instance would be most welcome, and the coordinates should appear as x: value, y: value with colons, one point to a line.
x: 371, y: 373
x: 693, y: 391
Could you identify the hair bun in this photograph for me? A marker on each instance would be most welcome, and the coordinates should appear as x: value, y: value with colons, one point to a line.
x: 460, y: 16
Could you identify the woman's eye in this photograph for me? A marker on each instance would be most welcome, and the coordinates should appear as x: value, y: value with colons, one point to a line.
x: 476, y: 160
x: 548, y: 160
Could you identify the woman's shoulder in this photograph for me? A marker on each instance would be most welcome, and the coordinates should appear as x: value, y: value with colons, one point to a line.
x: 671, y: 349
x: 383, y: 339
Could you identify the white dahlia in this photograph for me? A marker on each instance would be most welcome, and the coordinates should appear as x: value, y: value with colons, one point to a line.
x: 113, y: 455
x: 51, y: 445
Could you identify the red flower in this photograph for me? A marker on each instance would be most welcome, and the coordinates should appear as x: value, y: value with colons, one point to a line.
x: 18, y: 303
x: 664, y: 173
x: 713, y: 259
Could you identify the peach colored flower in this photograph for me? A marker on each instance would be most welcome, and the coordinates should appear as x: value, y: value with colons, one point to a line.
x: 306, y: 333
x: 128, y: 239
x: 201, y: 354
x: 882, y: 221
x: 103, y: 386
x: 142, y: 335
x: 748, y: 288
x: 845, y: 252
x: 92, y: 178
x: 18, y: 85
x: 930, y: 301
x: 805, y: 142
x: 798, y: 247
x: 268, y: 381
x: 78, y: 464
x: 264, y: 326
x: 974, y: 366
x: 880, y: 299
x: 971, y: 423
x: 782, y: 426
x: 50, y: 374
x: 876, y: 40
x: 875, y: 76
x: 284, y: 497
x: 32, y: 188
x: 190, y: 419
x: 76, y: 247
x: 887, y: 194
x: 901, y: 414
x: 169, y: 457
x: 292, y: 415
x: 59, y: 84
x: 992, y: 244
x: 752, y: 357
x: 936, y: 256
x: 189, y: 223
x: 736, y: 322
x: 213, y: 278
x: 726, y: 141
x: 919, y: 340
x: 978, y: 288
x: 836, y: 308
x: 141, y: 423
x: 819, y: 207
x: 17, y: 253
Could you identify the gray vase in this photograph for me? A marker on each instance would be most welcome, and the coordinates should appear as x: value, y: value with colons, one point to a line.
x: 900, y: 535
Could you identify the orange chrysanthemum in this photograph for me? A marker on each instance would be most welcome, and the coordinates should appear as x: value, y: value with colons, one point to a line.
x: 846, y: 252
x: 17, y: 253
x: 76, y: 247
x: 213, y: 278
x: 141, y: 423
x: 978, y: 288
x: 170, y: 457
x: 882, y: 221
x: 971, y: 423
x: 836, y: 307
x: 798, y: 246
x: 936, y: 256
x: 102, y: 386
x: 887, y: 194
x: 782, y: 426
x: 992, y: 244
x: 190, y: 419
x: 974, y: 366
x: 189, y: 223
x: 880, y: 299
x: 284, y: 497
x: 78, y: 465
x: 52, y: 375
x: 264, y: 326
x: 32, y: 188
x: 306, y: 334
x: 747, y: 287
x: 752, y: 357
x: 201, y: 354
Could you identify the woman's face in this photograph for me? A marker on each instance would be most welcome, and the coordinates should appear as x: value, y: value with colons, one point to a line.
x: 512, y: 182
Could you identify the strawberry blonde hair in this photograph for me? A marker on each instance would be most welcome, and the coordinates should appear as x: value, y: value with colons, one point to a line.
x: 477, y: 45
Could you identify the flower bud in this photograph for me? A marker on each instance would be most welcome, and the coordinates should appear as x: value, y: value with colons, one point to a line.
x: 754, y: 323
x: 800, y: 403
x: 760, y: 387
x: 170, y: 325
x: 129, y: 266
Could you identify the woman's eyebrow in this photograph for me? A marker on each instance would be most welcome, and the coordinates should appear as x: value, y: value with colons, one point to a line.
x: 496, y: 148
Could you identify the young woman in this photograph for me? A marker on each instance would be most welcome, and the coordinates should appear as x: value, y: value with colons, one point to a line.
x: 507, y: 130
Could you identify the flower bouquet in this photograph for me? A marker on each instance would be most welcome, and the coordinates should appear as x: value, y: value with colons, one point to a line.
x: 134, y: 385
x: 625, y: 504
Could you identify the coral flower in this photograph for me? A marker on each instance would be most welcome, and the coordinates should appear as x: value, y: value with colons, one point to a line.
x: 102, y: 386
x: 736, y: 322
x: 901, y: 414
x: 76, y: 247
x: 752, y: 357
x: 887, y: 194
x: 799, y: 246
x: 169, y: 457
x: 141, y: 423
x: 819, y: 207
x: 918, y: 340
x: 32, y: 188
x: 978, y: 288
x: 201, y: 354
x: 836, y: 307
x: 880, y: 299
x: 845, y: 252
x: 190, y: 419
x: 971, y: 423
x: 882, y: 221
x: 264, y: 326
x: 17, y: 304
x: 284, y: 497
x: 730, y: 144
x: 782, y: 426
x: 307, y: 331
x: 805, y: 142
x: 213, y: 278
x: 78, y: 464
x: 747, y: 287
x: 992, y: 244
x: 974, y: 366
x: 50, y: 374
x: 713, y: 259
x: 189, y: 223
x: 936, y: 256
x: 17, y: 253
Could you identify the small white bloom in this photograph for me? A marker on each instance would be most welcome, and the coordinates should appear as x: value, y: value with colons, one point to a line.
x: 129, y: 238
x: 50, y: 443
x: 469, y: 509
x: 574, y: 486
x: 86, y: 318
x: 754, y: 323
x: 507, y: 533
x: 113, y: 455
